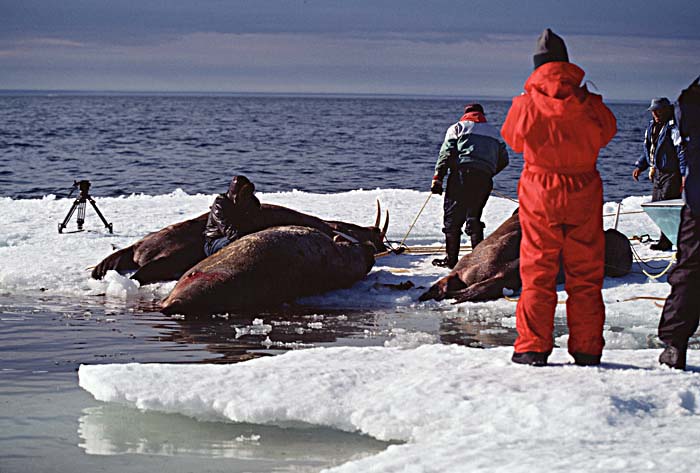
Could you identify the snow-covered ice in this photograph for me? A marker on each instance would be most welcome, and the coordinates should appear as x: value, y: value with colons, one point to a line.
x: 59, y: 263
x: 35, y: 259
x: 30, y: 227
x: 454, y: 408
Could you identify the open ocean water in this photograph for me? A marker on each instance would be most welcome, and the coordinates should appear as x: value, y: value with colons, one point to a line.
x: 155, y: 144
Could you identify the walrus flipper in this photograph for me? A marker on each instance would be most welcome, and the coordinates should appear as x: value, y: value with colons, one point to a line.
x: 487, y: 290
x: 120, y: 261
x: 166, y: 268
x: 436, y: 292
x: 491, y: 288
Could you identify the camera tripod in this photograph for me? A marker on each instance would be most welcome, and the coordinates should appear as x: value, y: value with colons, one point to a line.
x: 79, y: 204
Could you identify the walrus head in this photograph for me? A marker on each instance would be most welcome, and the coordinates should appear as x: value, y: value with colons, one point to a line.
x: 372, y: 234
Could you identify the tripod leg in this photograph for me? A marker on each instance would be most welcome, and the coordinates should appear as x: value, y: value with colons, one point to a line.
x: 99, y: 214
x: 62, y: 225
x: 81, y: 214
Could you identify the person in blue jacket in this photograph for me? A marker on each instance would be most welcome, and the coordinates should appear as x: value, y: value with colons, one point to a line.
x: 663, y: 158
x: 681, y: 314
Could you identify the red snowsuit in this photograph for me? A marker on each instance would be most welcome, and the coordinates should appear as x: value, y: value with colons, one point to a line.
x: 560, y: 127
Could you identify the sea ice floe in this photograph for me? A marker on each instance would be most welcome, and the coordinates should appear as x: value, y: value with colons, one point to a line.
x: 454, y: 408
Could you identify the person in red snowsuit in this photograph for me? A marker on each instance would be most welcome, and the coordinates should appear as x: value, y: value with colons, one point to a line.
x: 560, y: 127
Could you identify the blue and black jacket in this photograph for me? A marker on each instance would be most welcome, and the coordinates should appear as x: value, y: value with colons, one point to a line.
x: 669, y: 156
x: 475, y: 144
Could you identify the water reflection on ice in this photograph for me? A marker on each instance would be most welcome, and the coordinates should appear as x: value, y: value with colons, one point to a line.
x: 116, y: 430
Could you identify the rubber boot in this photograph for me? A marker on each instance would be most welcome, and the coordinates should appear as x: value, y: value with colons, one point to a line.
x: 673, y: 357
x: 477, y: 234
x: 664, y: 244
x: 452, y: 243
x: 585, y: 359
x: 532, y: 358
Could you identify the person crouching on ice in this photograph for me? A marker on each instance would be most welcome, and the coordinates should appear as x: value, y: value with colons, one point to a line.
x: 473, y: 152
x: 230, y: 214
x: 560, y: 127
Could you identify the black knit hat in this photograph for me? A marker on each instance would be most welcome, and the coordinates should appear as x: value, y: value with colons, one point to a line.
x: 550, y: 47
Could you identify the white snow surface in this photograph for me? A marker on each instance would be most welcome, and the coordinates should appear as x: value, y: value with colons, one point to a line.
x: 455, y: 408
x: 35, y: 259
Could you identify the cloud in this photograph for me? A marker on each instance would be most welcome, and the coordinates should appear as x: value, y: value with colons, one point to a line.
x: 429, y: 63
x: 148, y: 21
x: 27, y: 47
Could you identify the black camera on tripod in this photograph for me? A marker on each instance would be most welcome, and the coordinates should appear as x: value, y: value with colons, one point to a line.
x: 84, y: 187
x: 80, y: 204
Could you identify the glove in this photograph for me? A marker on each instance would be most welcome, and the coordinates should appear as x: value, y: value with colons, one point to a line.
x: 436, y: 186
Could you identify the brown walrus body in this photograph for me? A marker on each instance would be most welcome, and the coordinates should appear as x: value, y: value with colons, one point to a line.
x: 494, y: 265
x: 159, y: 256
x: 166, y: 254
x: 267, y: 268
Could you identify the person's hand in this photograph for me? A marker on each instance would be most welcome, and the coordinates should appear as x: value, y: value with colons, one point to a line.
x: 436, y: 186
x: 683, y: 184
x: 636, y: 173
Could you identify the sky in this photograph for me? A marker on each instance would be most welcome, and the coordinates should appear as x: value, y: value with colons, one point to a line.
x: 630, y: 50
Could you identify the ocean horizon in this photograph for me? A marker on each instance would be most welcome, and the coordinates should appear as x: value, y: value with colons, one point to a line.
x: 204, y: 93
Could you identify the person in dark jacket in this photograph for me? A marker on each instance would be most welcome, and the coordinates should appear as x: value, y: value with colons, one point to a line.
x: 473, y: 152
x: 681, y: 314
x: 230, y: 214
x: 663, y: 158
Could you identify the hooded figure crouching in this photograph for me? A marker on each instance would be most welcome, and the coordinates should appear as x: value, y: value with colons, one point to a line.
x: 230, y: 214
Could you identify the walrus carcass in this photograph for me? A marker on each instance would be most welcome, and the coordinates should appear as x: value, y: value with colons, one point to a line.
x: 166, y: 254
x: 494, y: 265
x: 267, y: 268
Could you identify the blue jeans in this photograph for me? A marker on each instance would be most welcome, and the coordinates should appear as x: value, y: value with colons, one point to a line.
x: 212, y: 246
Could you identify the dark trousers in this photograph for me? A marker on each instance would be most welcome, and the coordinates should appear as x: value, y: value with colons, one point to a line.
x: 679, y: 320
x: 667, y: 185
x: 212, y: 246
x: 467, y: 191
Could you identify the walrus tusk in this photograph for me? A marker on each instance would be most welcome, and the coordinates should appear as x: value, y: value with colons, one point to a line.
x: 346, y: 236
x: 377, y: 220
x: 386, y: 224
